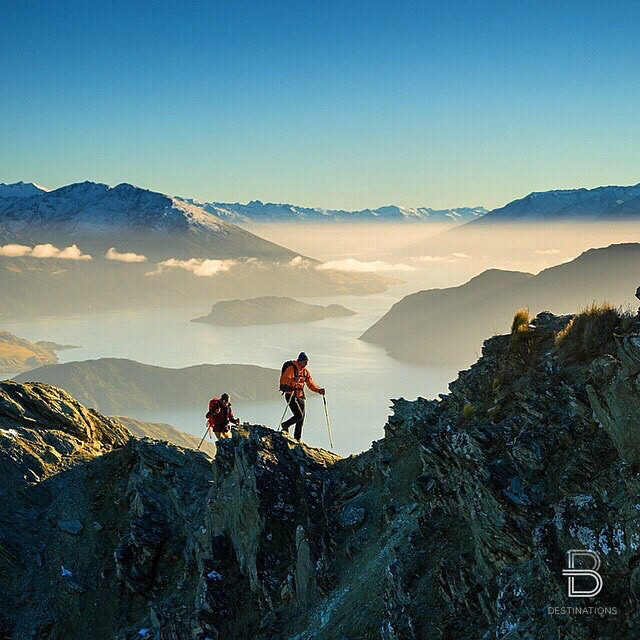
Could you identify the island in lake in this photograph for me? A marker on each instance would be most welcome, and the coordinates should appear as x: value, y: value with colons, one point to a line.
x: 270, y: 310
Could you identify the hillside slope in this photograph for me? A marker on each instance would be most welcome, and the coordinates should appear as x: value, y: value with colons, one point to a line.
x: 17, y: 354
x: 449, y: 325
x: 118, y: 386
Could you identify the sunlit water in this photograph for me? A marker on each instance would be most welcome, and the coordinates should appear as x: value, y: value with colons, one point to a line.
x: 360, y: 378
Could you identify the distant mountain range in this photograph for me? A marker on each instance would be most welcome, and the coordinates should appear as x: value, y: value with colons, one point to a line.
x: 599, y: 204
x: 121, y: 386
x: 256, y: 211
x: 88, y: 247
x: 448, y: 326
x: 109, y: 207
x: 577, y: 207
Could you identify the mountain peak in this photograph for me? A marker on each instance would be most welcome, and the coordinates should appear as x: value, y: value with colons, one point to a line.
x: 598, y: 203
x: 96, y: 208
x: 21, y: 189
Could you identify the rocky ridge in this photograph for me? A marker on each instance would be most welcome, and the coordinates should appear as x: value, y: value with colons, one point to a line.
x: 455, y: 525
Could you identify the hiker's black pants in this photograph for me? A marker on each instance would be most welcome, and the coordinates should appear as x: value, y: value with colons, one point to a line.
x: 297, y: 408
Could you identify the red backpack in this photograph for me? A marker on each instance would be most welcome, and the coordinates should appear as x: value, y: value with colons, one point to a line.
x: 209, y: 414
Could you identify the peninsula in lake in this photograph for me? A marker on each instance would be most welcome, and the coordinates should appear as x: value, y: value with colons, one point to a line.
x: 18, y: 354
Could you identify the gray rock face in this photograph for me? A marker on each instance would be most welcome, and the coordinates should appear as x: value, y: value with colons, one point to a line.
x: 455, y: 525
x: 74, y: 527
x: 352, y: 516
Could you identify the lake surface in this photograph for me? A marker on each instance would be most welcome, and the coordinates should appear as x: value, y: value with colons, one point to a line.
x: 360, y: 378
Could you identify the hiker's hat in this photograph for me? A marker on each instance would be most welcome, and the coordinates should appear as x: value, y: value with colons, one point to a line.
x: 303, y: 356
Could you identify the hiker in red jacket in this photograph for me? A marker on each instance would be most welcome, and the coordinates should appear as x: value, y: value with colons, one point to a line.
x: 294, y: 377
x: 220, y: 416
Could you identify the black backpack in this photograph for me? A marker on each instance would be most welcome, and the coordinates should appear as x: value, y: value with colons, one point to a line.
x: 283, y: 387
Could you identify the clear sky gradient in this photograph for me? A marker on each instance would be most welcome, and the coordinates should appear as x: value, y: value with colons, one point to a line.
x: 333, y: 104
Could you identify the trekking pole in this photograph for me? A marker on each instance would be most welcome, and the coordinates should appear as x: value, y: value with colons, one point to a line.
x: 326, y: 413
x: 286, y: 406
x: 204, y: 436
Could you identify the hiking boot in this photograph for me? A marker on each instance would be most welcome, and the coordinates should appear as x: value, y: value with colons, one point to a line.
x: 285, y: 433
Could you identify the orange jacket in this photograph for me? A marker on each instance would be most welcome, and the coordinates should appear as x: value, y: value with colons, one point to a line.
x: 295, y: 377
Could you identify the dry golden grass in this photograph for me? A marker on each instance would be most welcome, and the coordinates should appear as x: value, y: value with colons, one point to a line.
x: 520, y: 329
x: 591, y: 332
x: 16, y: 351
x: 521, y: 321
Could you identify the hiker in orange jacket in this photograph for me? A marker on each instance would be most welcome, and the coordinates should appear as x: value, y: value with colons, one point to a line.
x: 220, y: 416
x: 295, y: 376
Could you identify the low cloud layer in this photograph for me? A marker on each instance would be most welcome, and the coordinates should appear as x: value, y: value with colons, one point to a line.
x: 547, y: 252
x: 43, y: 251
x: 197, y: 266
x: 360, y: 266
x: 114, y: 254
x: 446, y: 259
x: 299, y: 261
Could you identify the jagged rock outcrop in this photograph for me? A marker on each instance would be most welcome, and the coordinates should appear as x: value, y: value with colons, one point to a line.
x: 614, y: 393
x: 455, y: 525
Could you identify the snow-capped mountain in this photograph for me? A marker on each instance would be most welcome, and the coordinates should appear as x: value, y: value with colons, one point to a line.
x: 21, y: 189
x: 148, y: 221
x: 94, y: 207
x: 88, y: 247
x: 257, y: 211
x: 601, y: 203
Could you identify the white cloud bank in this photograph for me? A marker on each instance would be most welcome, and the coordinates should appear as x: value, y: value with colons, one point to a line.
x: 43, y: 251
x: 114, y: 254
x: 198, y: 266
x: 360, y: 266
x: 447, y: 259
x: 299, y: 261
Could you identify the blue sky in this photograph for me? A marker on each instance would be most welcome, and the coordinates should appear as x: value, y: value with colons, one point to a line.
x: 334, y: 104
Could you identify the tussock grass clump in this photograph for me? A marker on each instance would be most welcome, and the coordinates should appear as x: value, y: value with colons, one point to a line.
x: 521, y: 322
x: 468, y: 411
x: 590, y: 333
x: 520, y: 332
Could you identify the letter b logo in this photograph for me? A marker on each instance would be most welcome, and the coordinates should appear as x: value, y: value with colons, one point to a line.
x: 572, y: 573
